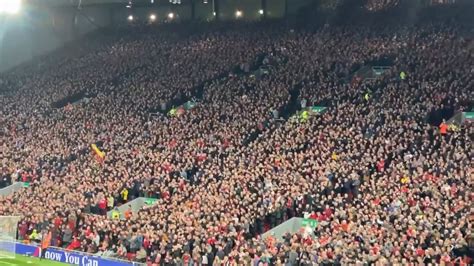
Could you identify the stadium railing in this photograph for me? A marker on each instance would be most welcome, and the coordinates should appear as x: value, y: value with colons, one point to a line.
x: 292, y: 226
x: 11, y: 189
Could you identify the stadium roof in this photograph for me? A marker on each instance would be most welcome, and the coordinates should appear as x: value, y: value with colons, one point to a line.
x: 95, y: 2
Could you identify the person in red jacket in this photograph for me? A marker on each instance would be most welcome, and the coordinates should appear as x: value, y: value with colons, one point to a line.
x: 75, y: 244
x: 103, y: 206
x: 381, y: 165
x: 443, y: 128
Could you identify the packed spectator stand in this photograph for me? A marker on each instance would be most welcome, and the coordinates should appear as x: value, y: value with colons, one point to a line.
x: 385, y: 186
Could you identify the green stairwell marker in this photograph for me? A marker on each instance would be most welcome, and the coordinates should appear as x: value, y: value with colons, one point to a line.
x: 150, y: 201
x: 311, y: 222
x: 318, y: 109
x: 189, y: 105
x: 379, y: 70
x: 303, y: 115
x: 469, y: 115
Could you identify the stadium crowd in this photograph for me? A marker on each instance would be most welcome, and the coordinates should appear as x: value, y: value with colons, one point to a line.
x: 384, y: 185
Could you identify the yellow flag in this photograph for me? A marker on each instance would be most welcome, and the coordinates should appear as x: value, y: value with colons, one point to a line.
x: 98, y: 152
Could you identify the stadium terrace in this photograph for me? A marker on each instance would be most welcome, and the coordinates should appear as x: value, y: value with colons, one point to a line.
x: 201, y: 132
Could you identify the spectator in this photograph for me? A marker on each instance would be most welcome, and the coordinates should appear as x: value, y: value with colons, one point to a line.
x: 383, y: 186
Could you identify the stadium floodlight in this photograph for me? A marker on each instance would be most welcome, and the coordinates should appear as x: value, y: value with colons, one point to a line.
x: 260, y: 11
x: 10, y: 6
x: 171, y: 15
x: 130, y: 18
x: 238, y: 14
x: 152, y: 17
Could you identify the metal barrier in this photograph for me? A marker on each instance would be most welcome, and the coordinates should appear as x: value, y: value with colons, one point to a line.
x: 460, y: 118
x: 11, y: 189
x: 135, y: 205
x: 291, y: 226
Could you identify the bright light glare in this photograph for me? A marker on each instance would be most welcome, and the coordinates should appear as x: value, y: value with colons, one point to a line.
x: 10, y: 6
x: 130, y: 18
x: 170, y: 15
x: 238, y: 13
x: 260, y: 11
x: 152, y: 17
